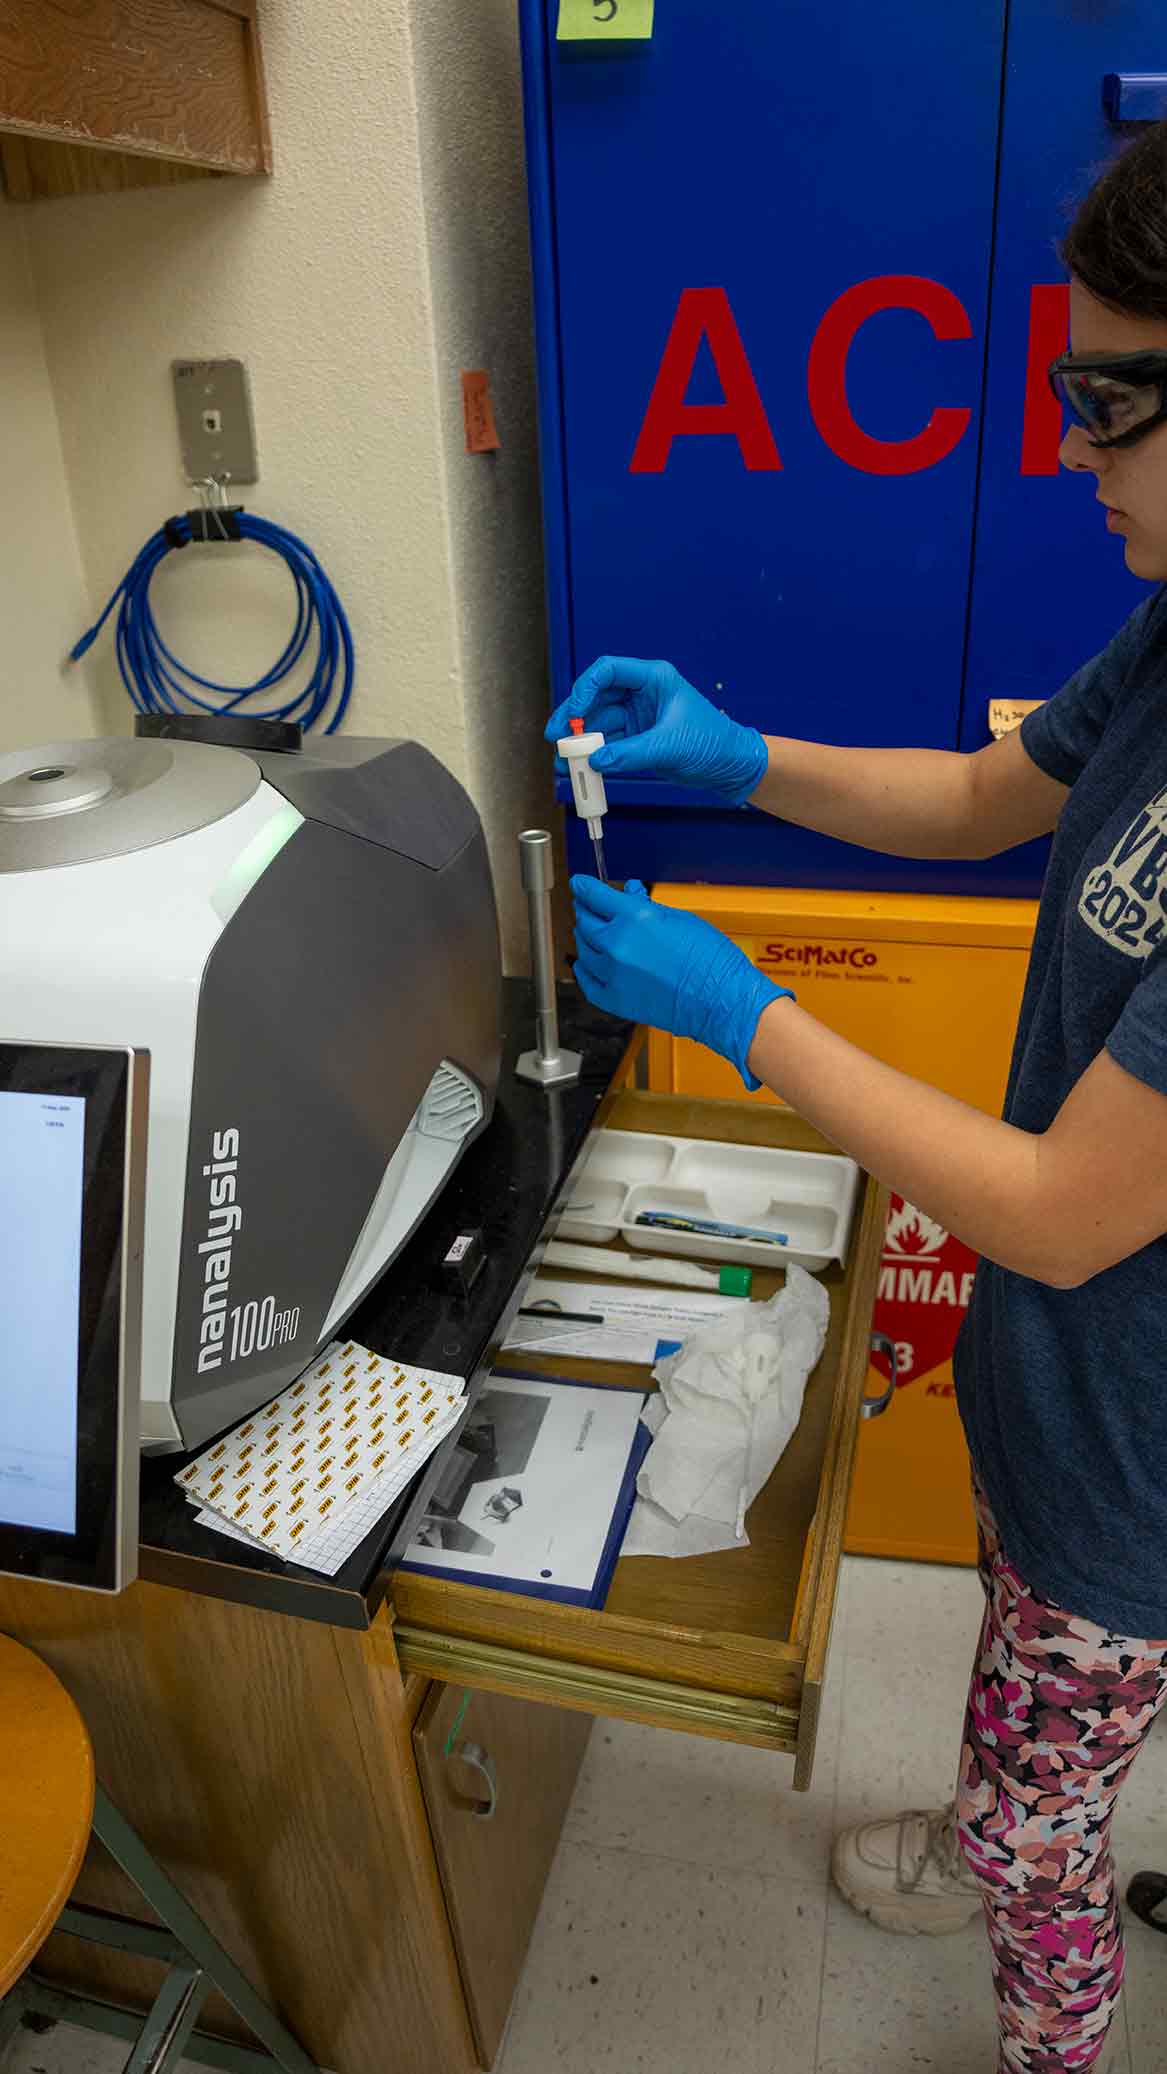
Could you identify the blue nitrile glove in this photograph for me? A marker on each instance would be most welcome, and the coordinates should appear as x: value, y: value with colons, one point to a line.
x: 657, y: 726
x: 655, y: 965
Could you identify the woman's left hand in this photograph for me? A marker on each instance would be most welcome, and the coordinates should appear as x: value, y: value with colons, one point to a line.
x: 655, y: 965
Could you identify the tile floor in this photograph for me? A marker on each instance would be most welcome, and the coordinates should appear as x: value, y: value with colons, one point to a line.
x: 689, y: 1925
x: 689, y: 1928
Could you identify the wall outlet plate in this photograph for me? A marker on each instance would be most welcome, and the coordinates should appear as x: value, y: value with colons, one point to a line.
x: 215, y: 427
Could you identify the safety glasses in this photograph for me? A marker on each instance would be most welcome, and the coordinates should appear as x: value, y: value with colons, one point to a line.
x: 1117, y: 399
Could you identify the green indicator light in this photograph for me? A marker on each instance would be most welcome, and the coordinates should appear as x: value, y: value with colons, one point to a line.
x: 252, y: 861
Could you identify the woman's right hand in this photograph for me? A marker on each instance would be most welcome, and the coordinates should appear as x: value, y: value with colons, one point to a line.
x: 656, y: 725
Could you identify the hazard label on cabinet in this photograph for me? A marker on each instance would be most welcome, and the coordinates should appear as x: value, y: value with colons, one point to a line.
x: 925, y: 1286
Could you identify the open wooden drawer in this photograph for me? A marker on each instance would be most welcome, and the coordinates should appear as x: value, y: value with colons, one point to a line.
x: 731, y: 1645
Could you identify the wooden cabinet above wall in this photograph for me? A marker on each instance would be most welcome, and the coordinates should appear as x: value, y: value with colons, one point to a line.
x: 99, y: 95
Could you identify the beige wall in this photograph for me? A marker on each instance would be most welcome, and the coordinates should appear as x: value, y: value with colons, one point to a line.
x: 43, y: 606
x: 388, y: 252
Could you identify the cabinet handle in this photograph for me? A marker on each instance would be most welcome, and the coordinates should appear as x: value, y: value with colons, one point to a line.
x: 480, y: 1761
x: 1135, y: 96
x: 874, y: 1407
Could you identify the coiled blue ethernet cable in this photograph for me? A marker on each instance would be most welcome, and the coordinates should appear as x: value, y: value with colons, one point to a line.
x: 158, y: 682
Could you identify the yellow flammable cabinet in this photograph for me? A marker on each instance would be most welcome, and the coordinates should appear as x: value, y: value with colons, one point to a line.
x: 931, y: 984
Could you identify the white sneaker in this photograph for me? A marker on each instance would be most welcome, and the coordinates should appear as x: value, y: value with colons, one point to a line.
x: 908, y: 1875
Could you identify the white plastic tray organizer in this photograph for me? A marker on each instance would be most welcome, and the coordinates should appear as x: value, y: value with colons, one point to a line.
x: 809, y: 1196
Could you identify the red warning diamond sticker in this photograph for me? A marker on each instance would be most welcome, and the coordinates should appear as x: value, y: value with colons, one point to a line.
x: 925, y: 1286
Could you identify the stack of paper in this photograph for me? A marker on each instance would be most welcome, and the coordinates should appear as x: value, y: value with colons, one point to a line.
x: 311, y: 1474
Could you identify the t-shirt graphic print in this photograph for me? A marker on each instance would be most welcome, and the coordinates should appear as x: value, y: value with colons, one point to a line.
x: 1124, y: 900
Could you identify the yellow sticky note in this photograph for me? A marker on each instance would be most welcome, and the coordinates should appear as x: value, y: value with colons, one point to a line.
x: 1007, y: 714
x: 604, y: 21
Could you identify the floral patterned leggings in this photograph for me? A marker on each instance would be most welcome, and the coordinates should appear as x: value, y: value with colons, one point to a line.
x: 1057, y: 1712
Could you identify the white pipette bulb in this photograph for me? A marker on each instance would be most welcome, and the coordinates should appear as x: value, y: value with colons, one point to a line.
x: 587, y: 786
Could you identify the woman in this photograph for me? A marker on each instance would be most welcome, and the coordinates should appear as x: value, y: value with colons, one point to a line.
x: 1059, y: 1369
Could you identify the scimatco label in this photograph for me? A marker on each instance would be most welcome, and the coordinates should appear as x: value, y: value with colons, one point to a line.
x: 795, y: 961
x: 925, y: 1287
x: 858, y: 957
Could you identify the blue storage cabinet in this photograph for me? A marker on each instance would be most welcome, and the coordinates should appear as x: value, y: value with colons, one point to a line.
x: 767, y: 249
x: 1049, y: 585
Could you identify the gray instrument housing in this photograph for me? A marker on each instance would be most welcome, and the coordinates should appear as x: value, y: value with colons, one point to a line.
x: 365, y: 955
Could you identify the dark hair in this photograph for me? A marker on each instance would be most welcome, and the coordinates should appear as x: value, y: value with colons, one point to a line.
x: 1117, y: 243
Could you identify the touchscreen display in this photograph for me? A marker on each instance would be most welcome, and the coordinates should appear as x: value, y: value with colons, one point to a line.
x: 42, y: 1161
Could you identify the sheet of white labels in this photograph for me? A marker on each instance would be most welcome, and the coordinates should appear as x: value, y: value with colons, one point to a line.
x: 311, y: 1474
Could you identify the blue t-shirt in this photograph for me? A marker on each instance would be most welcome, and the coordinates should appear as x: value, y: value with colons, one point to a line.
x: 1063, y: 1393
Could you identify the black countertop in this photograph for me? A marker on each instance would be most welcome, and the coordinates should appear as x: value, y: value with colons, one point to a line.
x: 505, y: 1187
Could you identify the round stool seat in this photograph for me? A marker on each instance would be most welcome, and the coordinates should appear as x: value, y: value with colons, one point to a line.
x: 46, y: 1804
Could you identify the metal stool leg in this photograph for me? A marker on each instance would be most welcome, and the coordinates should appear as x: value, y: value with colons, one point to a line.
x: 170, y: 2022
x: 34, y: 1998
x: 195, y: 1963
x: 124, y: 1844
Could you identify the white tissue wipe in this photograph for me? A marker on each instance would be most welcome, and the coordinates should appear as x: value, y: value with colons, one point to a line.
x: 728, y: 1404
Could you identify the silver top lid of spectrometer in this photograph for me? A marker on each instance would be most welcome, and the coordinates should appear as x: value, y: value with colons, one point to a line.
x: 74, y: 802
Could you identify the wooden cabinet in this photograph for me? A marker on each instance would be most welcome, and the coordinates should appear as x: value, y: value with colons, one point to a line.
x: 731, y: 1645
x: 498, y: 1776
x: 268, y: 1764
x: 276, y: 1765
x: 97, y: 95
x: 276, y: 1769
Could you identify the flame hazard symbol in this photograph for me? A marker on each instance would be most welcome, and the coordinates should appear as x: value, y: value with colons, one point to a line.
x: 910, y: 1234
